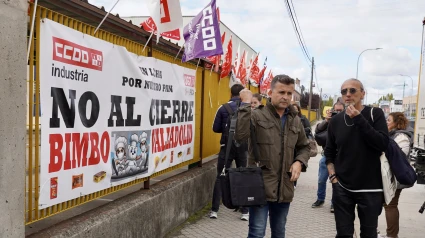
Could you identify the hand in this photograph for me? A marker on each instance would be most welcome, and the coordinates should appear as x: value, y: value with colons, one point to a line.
x: 335, y: 180
x: 352, y: 111
x: 328, y: 115
x: 295, y: 170
x: 246, y: 95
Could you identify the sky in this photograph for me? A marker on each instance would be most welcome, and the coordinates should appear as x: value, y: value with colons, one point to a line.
x: 335, y: 33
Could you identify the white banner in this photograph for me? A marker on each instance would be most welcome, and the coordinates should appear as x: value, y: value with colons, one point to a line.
x: 108, y: 116
x: 420, y: 109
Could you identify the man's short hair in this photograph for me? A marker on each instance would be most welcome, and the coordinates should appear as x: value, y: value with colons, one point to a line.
x: 356, y: 80
x: 283, y: 79
x: 236, y: 89
x: 338, y: 103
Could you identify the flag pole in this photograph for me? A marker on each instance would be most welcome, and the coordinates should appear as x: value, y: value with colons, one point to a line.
x: 105, y: 17
x: 148, y: 41
x: 178, y: 53
x: 197, y: 64
x: 32, y: 29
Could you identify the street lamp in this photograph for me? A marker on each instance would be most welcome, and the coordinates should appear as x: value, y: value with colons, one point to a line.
x: 410, y: 94
x: 357, y: 72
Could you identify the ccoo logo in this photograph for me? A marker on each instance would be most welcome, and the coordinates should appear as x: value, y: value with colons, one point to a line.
x: 70, y: 53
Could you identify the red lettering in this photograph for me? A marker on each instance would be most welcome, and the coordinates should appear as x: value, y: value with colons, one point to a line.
x: 56, y: 143
x: 189, y: 133
x: 80, y: 148
x: 67, y: 162
x: 155, y: 141
x: 94, y: 143
x: 165, y: 12
x: 105, y: 145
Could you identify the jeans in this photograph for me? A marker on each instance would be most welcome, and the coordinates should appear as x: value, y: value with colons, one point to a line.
x: 369, y: 207
x: 258, y: 220
x: 323, y: 178
x: 239, y: 154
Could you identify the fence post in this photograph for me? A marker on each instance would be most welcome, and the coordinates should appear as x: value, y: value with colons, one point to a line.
x: 13, y: 108
x: 146, y: 184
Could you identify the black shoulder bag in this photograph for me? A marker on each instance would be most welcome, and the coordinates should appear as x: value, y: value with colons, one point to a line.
x: 244, y: 186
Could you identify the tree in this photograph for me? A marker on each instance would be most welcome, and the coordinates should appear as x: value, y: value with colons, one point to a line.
x: 329, y: 102
x: 314, y: 101
x: 388, y: 97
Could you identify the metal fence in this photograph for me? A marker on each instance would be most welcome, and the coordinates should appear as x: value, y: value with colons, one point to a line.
x: 210, y: 93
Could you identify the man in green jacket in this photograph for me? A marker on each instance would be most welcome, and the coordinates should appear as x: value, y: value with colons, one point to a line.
x: 279, y: 134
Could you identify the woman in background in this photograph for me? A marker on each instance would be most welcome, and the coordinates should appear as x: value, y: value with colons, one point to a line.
x: 256, y: 100
x: 398, y: 130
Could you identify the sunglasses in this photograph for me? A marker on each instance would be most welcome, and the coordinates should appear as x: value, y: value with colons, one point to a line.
x: 351, y: 90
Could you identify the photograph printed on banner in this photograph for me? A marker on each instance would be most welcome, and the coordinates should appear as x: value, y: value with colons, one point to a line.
x: 130, y: 155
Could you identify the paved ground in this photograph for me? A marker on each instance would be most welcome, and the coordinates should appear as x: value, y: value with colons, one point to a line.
x: 304, y: 221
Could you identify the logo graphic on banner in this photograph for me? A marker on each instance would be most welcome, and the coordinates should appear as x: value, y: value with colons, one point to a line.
x: 150, y: 26
x: 109, y: 116
x: 166, y: 14
x: 202, y: 35
x: 70, y: 53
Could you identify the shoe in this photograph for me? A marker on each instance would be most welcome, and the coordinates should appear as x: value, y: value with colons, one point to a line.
x: 245, y: 217
x: 213, y: 215
x: 317, y: 204
x: 332, y: 208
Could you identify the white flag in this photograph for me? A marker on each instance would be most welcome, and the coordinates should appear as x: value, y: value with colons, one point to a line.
x: 166, y: 14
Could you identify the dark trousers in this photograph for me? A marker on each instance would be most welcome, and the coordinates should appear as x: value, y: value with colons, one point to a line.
x: 392, y: 215
x: 369, y: 207
x: 239, y: 154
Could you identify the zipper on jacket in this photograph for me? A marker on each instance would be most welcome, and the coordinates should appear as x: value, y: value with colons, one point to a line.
x: 281, y: 160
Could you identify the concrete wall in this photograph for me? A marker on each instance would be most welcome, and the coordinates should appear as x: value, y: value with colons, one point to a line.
x: 146, y: 213
x: 13, y: 32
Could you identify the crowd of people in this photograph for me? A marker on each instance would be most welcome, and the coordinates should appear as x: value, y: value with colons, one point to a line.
x: 353, y: 137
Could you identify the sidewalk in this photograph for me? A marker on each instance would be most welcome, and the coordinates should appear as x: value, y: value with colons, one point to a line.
x: 304, y: 221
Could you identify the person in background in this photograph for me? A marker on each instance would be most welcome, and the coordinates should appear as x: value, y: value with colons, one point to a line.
x: 304, y: 121
x: 256, y: 100
x: 399, y: 131
x: 239, y: 154
x: 323, y: 171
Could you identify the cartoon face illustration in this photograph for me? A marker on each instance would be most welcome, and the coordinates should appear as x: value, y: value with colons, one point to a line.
x: 132, y: 148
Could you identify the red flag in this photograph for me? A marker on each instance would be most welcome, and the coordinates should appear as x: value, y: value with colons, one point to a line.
x: 266, y: 83
x: 254, y: 73
x: 242, y: 69
x: 149, y: 26
x: 227, y: 64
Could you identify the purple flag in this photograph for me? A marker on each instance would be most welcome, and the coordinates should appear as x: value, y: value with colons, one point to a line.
x: 202, y: 35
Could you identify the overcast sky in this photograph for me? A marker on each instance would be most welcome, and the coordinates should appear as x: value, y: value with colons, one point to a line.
x: 335, y: 32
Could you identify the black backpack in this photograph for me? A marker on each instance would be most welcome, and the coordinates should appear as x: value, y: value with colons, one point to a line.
x: 230, y: 111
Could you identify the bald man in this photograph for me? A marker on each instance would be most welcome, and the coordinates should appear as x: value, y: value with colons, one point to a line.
x: 353, y: 149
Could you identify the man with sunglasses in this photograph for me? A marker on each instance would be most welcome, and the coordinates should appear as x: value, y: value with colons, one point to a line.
x: 354, y: 145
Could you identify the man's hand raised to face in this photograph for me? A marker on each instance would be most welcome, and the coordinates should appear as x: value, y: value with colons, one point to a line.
x: 246, y: 95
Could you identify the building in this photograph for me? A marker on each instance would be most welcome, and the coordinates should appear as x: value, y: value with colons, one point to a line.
x: 409, y: 105
x: 396, y: 106
x: 296, y: 97
x: 385, y: 106
x: 137, y: 20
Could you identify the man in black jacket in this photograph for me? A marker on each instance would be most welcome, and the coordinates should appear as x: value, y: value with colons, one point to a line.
x: 239, y: 154
x: 356, y: 140
x: 323, y: 171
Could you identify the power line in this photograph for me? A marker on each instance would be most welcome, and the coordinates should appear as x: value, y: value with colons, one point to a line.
x: 294, y: 25
x: 302, y: 37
